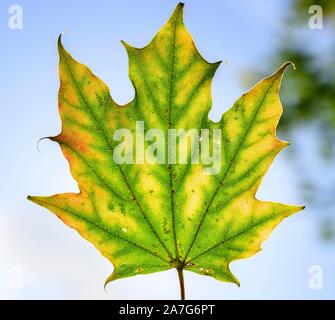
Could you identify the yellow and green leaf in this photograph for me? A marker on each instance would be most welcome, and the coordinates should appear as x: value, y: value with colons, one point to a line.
x: 146, y: 218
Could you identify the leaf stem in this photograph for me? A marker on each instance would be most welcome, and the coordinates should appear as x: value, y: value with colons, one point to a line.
x: 181, y: 283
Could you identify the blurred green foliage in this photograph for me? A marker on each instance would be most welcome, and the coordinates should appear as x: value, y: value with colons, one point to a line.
x: 300, y: 6
x: 308, y: 95
x: 309, y: 91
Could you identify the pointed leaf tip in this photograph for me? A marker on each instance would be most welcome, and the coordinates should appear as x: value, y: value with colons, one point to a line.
x: 284, y: 67
x: 59, y: 41
x: 179, y: 10
x: 126, y: 45
x: 60, y: 46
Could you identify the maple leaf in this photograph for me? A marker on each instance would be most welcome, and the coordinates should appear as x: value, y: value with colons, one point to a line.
x: 150, y: 217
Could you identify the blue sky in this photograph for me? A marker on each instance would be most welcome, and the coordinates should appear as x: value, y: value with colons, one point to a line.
x: 55, y: 262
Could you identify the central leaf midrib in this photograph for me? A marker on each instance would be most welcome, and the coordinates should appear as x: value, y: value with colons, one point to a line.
x: 171, y: 184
